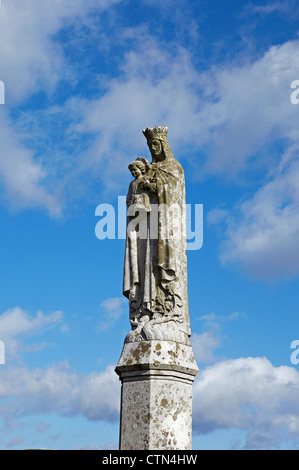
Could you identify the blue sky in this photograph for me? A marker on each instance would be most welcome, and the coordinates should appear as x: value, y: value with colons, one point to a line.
x: 82, y: 79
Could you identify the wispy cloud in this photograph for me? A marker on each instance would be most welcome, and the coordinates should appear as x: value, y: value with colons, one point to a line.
x: 154, y: 87
x: 205, y: 344
x: 212, y: 320
x: 112, y: 310
x: 16, y: 325
x: 254, y: 112
x: 285, y: 7
x: 22, y: 176
x: 262, y: 232
x: 32, y: 59
x: 59, y: 390
x: 249, y: 394
x: 251, y: 110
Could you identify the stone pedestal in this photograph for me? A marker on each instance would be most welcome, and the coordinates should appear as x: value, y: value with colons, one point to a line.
x: 156, y: 398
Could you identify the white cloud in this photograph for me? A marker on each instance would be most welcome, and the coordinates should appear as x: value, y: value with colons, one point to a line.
x: 155, y: 87
x: 21, y: 176
x: 204, y: 345
x: 16, y: 324
x: 262, y: 232
x: 211, y: 320
x: 285, y: 7
x: 249, y: 394
x: 253, y: 112
x: 231, y: 112
x: 113, y: 309
x: 251, y: 109
x: 57, y: 390
x: 31, y: 59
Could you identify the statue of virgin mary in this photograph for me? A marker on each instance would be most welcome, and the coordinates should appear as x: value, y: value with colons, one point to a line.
x: 155, y: 267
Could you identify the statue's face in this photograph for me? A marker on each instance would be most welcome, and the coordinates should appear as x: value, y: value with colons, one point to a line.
x: 155, y: 147
x: 136, y: 171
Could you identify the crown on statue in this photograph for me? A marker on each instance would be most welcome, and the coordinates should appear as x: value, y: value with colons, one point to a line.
x: 155, y: 133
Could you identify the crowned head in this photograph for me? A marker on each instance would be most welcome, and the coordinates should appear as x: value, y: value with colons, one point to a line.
x: 157, y: 132
x: 156, y: 138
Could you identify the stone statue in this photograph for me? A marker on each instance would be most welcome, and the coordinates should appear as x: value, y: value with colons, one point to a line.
x: 155, y: 268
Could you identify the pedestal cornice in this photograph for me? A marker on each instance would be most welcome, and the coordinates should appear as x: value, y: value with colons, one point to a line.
x: 156, y: 356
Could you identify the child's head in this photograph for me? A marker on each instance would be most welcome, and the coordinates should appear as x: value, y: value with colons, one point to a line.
x: 138, y: 167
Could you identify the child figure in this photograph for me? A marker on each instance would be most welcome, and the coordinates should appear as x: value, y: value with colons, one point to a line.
x: 136, y: 195
x: 138, y: 201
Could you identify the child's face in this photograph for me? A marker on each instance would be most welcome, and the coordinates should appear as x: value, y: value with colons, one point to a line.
x: 137, y: 171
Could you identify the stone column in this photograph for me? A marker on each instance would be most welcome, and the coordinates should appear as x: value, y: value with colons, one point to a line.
x: 156, y: 397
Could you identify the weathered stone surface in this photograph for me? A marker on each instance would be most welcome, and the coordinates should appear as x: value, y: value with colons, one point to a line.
x: 156, y: 413
x: 156, y: 399
x: 157, y: 355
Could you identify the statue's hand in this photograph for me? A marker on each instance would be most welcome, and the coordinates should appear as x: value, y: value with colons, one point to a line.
x: 144, y: 184
x: 148, y: 185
